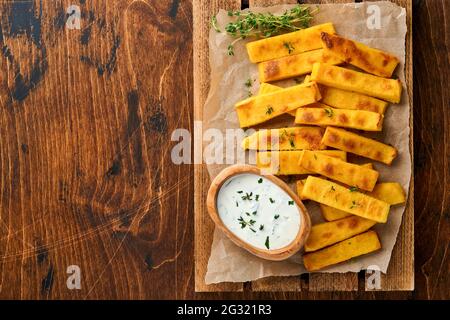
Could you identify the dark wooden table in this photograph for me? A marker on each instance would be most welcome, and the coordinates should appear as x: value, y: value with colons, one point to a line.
x: 86, y: 117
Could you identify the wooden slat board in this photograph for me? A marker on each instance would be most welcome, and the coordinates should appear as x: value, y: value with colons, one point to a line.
x: 400, y: 274
x: 203, y: 226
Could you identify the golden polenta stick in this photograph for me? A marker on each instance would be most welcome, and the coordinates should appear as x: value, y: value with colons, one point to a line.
x: 332, y: 214
x: 341, y: 99
x: 287, y: 162
x: 293, y: 138
x: 349, y: 173
x: 389, y: 192
x: 307, y: 79
x: 294, y: 65
x: 362, y: 146
x: 268, y: 88
x: 350, y: 80
x: 325, y: 234
x: 356, y: 246
x: 339, y: 197
x: 287, y: 44
x: 300, y: 183
x: 367, y: 165
x: 371, y: 60
x: 312, y: 105
x: 356, y: 119
x: 261, y: 108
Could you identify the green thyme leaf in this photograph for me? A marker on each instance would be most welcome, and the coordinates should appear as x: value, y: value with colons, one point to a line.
x: 267, y: 244
x: 230, y: 50
x: 354, y: 204
x: 289, y: 47
x: 329, y: 112
x: 214, y: 24
x: 291, y: 141
x: 244, y: 223
x: 248, y: 196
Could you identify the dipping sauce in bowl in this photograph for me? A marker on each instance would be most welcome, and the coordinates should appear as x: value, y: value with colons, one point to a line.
x: 258, y: 211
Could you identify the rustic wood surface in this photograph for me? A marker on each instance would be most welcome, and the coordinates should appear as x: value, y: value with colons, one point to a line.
x: 86, y: 179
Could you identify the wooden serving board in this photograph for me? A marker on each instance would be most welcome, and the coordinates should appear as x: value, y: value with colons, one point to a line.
x: 400, y: 275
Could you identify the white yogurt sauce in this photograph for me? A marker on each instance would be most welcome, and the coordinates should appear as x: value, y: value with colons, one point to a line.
x: 258, y: 211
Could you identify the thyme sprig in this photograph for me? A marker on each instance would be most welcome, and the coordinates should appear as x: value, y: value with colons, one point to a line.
x: 248, y: 196
x: 263, y: 25
x: 245, y: 223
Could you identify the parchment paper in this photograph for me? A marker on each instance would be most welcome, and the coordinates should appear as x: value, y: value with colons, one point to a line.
x: 230, y: 263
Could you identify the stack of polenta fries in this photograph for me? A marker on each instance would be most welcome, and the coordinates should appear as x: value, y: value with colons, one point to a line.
x: 331, y: 97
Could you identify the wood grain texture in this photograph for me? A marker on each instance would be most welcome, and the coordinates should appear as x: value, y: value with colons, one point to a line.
x: 65, y: 123
x: 86, y: 176
x: 333, y: 281
x: 204, y: 227
x: 431, y: 149
x: 277, y: 284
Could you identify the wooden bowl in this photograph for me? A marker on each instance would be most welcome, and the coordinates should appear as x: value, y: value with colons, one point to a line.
x: 277, y: 254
